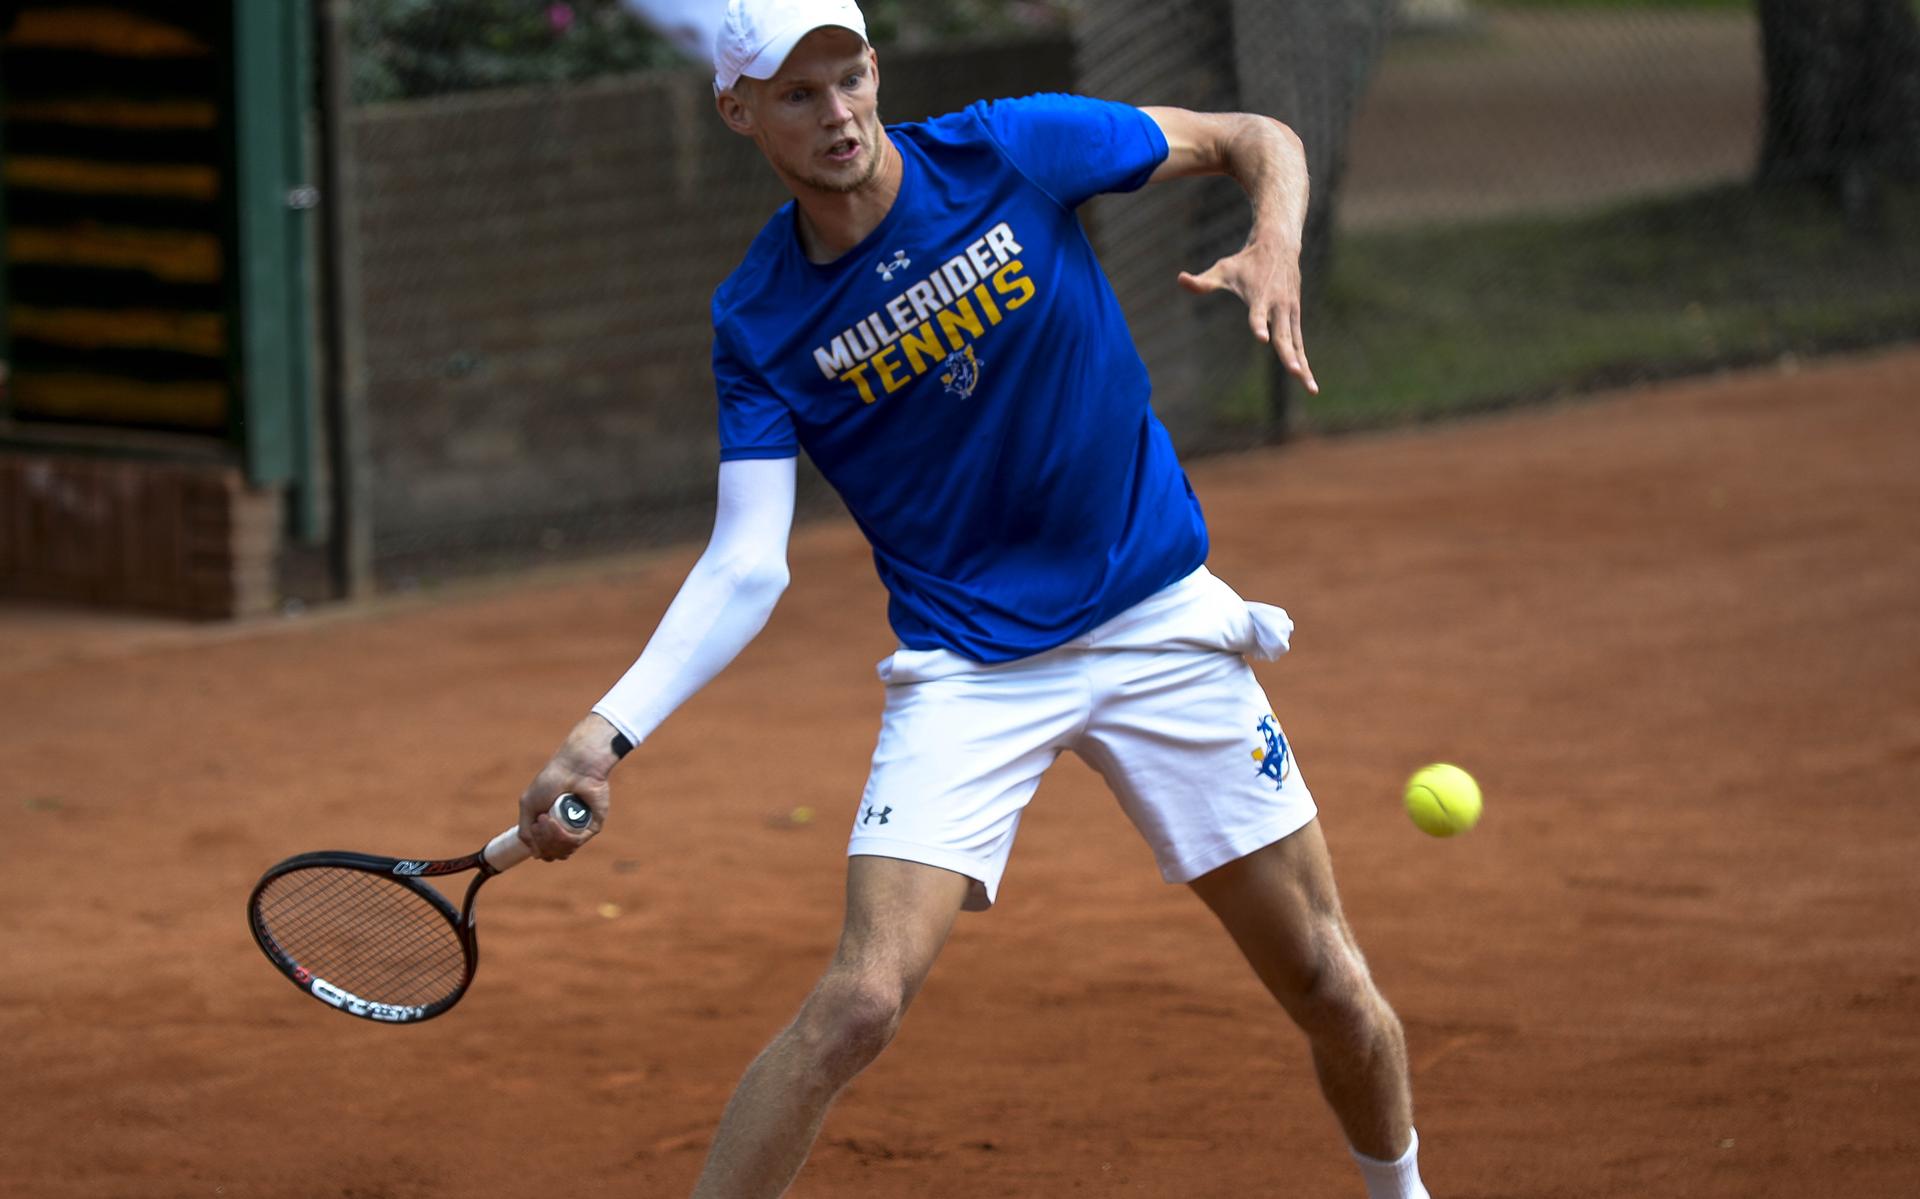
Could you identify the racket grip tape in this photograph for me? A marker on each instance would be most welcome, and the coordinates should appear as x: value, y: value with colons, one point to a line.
x: 508, y: 849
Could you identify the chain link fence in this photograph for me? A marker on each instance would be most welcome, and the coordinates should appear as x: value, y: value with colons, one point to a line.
x: 1511, y: 201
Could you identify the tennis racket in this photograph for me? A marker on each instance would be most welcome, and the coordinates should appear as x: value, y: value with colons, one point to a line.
x: 366, y: 935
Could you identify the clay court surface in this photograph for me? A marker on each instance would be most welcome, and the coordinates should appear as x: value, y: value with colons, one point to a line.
x: 1676, y: 633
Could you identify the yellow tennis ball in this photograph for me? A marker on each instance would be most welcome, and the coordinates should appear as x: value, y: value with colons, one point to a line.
x: 1443, y: 800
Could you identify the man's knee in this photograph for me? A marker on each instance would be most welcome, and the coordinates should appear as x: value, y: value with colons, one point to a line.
x: 849, y: 1019
x: 1334, y: 995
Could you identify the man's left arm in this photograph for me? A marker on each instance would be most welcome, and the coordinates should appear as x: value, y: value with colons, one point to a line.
x: 1266, y: 159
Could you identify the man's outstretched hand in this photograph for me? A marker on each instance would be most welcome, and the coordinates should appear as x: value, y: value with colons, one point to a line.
x: 1267, y: 279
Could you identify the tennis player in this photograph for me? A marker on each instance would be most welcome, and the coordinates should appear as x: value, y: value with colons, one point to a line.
x: 927, y: 320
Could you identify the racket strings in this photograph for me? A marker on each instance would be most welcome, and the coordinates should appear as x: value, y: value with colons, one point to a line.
x: 381, y: 952
x: 397, y: 952
x: 365, y: 934
x: 348, y: 933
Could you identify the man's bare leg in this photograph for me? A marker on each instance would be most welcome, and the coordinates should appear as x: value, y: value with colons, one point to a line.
x: 1281, y: 908
x: 898, y: 916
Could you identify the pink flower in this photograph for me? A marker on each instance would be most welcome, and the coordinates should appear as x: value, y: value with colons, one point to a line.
x: 560, y: 17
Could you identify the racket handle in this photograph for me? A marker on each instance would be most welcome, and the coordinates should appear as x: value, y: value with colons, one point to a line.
x: 508, y: 850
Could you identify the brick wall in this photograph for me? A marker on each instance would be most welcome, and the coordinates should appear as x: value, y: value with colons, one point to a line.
x: 533, y: 276
x: 186, y: 539
x: 536, y: 269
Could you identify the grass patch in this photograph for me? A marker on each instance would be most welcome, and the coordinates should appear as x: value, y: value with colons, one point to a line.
x: 1422, y: 323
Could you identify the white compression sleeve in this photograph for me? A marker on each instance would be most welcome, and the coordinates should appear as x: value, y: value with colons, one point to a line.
x: 724, y: 603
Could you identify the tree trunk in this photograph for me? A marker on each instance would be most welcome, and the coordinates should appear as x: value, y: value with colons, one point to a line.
x: 1843, y: 95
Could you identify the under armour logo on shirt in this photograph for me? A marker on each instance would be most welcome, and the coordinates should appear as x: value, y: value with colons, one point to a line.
x: 900, y: 263
x: 881, y: 815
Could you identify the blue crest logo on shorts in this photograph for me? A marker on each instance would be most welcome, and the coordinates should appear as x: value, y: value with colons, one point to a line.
x: 962, y: 374
x: 1276, y: 760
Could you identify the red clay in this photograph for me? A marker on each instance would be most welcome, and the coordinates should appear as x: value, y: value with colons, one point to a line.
x: 1675, y: 633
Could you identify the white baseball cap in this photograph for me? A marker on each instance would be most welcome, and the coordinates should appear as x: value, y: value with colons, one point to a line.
x: 757, y: 35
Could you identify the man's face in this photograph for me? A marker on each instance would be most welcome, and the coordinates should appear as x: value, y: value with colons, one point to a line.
x: 818, y: 120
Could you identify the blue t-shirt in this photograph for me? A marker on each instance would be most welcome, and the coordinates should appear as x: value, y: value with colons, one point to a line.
x: 965, y: 380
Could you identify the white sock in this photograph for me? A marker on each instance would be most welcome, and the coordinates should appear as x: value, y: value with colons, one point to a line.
x: 1395, y: 1179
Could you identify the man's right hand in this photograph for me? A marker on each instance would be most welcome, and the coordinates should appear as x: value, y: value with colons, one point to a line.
x: 581, y: 765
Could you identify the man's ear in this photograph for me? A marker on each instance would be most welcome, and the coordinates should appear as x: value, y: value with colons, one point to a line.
x: 734, y: 111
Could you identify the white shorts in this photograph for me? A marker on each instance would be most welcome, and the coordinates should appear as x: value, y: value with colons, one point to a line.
x: 1159, y: 700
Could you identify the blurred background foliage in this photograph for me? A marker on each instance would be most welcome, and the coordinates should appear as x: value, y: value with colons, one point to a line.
x: 409, y: 48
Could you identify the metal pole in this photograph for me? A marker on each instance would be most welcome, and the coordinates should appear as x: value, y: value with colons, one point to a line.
x: 344, y: 365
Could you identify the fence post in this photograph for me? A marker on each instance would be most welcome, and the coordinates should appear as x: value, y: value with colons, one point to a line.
x: 343, y: 367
